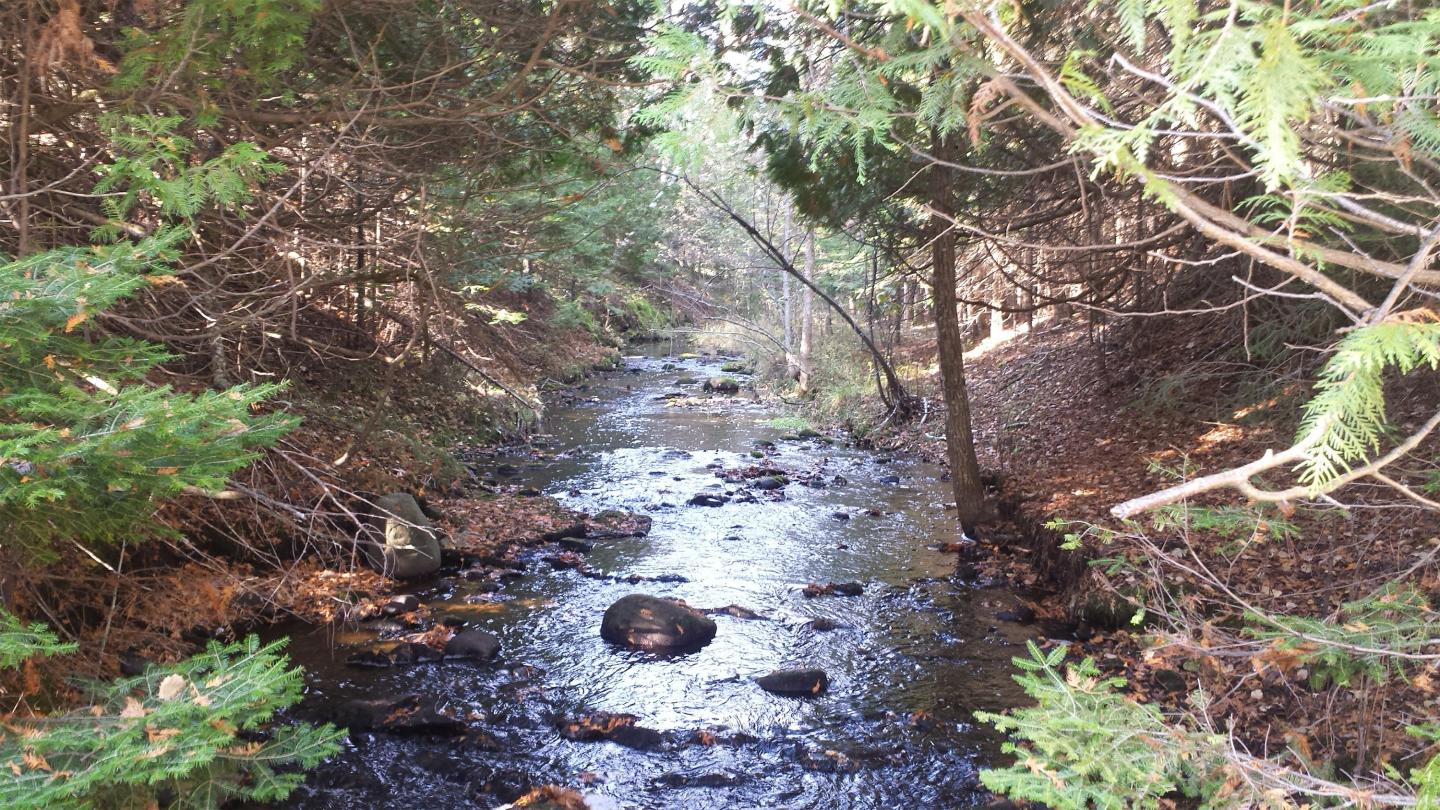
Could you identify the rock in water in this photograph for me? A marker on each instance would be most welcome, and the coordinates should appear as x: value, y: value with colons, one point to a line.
x: 411, y: 548
x: 721, y: 385
x: 398, y: 715
x: 651, y: 623
x: 795, y: 682
x: 473, y: 645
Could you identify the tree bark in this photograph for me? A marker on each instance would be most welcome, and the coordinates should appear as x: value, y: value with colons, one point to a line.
x: 950, y: 344
x: 807, y: 313
x: 787, y: 314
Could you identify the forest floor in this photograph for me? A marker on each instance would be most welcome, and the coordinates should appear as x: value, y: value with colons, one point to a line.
x: 1073, y: 432
x: 286, y: 550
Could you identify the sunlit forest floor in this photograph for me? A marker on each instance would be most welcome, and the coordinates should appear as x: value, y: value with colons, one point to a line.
x: 1072, y: 431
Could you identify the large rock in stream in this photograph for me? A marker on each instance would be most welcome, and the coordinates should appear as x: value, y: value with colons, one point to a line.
x: 411, y: 548
x: 652, y: 623
x: 795, y: 682
x: 721, y: 385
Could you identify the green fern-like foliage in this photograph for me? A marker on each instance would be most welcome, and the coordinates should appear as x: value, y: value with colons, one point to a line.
x: 152, y: 164
x: 263, y: 37
x: 1349, y: 405
x: 199, y: 731
x: 1084, y: 746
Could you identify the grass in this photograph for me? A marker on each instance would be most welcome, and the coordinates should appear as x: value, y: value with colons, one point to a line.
x: 794, y: 424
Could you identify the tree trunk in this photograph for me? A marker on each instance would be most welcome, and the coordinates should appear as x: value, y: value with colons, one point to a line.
x: 807, y: 312
x: 959, y: 440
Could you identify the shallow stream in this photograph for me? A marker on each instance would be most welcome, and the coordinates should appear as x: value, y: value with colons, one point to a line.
x: 910, y: 660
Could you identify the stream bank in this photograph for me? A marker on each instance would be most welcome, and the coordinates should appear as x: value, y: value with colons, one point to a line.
x: 804, y: 553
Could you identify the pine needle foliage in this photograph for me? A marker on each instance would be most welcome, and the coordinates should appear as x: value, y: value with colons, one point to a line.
x: 1084, y: 746
x: 1367, y: 638
x: 87, y: 447
x: 197, y: 733
x: 19, y: 641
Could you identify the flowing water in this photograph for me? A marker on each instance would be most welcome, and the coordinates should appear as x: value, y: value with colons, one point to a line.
x: 910, y: 661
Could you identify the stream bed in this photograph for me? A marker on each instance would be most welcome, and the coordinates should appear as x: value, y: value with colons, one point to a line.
x: 909, y: 660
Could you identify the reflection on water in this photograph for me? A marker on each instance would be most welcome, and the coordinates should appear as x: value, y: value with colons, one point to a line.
x: 909, y: 663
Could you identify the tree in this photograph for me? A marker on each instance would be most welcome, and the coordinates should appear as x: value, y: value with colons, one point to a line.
x: 197, y: 733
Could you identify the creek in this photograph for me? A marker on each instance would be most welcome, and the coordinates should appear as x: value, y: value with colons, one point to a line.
x: 909, y: 660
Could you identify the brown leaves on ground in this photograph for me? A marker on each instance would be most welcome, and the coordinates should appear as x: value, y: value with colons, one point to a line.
x: 487, y: 525
x: 1075, y: 433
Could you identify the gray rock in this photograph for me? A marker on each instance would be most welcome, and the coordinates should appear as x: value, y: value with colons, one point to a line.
x: 795, y: 682
x: 721, y: 385
x: 651, y: 623
x: 768, y: 482
x: 473, y: 645
x: 411, y: 547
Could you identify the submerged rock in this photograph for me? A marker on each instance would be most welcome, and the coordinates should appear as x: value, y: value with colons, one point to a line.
x: 617, y: 728
x: 795, y: 682
x: 815, y: 589
x: 413, y: 653
x: 736, y: 611
x: 405, y: 714
x: 651, y: 623
x: 473, y: 645
x: 706, y: 499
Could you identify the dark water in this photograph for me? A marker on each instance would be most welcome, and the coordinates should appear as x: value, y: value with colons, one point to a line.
x: 913, y: 658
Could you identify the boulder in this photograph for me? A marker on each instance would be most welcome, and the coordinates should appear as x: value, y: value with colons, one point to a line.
x: 721, y: 385
x: 651, y: 623
x: 414, y: 653
x: 768, y: 482
x: 705, y: 499
x: 473, y: 645
x: 411, y: 547
x: 795, y: 682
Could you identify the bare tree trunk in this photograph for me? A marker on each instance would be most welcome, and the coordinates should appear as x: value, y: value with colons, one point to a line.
x: 807, y: 312
x: 792, y: 369
x: 959, y: 440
